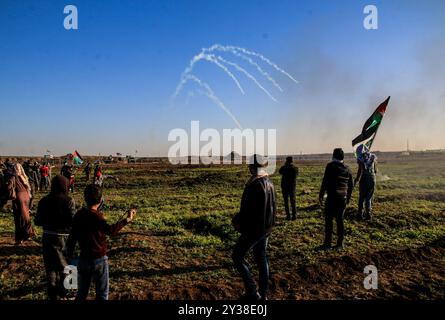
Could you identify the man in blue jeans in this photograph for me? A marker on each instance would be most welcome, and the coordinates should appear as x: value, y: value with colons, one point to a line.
x: 255, y: 221
x: 90, y: 230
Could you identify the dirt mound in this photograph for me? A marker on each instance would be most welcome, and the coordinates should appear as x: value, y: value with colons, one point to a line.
x: 342, y: 277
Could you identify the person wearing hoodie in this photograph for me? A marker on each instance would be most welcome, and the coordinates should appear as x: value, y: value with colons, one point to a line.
x: 337, y: 183
x: 55, y: 214
x: 255, y: 222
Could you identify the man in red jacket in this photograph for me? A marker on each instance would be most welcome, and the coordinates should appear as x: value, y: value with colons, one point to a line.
x: 44, y: 177
x: 90, y: 230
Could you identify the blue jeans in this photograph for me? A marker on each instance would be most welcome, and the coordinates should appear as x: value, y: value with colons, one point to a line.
x: 259, y: 246
x: 96, y: 271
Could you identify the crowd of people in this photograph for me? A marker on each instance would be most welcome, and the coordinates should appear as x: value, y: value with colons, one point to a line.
x: 64, y: 227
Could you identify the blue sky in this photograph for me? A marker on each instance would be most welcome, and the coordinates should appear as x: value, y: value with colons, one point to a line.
x: 107, y: 87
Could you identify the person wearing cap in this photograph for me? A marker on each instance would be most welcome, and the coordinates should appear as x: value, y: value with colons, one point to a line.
x: 255, y: 222
x: 289, y: 174
x: 55, y: 214
x: 338, y: 184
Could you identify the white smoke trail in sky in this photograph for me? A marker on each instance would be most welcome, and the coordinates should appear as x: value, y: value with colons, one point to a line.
x: 210, y: 58
x: 247, y: 74
x: 260, y: 56
x: 218, y: 47
x: 211, y: 95
x: 242, y: 53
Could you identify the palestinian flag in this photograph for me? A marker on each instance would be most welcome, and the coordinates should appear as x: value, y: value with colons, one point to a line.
x: 77, y: 159
x: 371, y: 126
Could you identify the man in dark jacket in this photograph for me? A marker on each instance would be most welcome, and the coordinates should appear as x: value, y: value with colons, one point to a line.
x: 36, y: 173
x: 90, y: 230
x: 32, y: 177
x: 289, y: 175
x: 87, y: 171
x: 255, y: 221
x: 55, y: 214
x: 337, y: 182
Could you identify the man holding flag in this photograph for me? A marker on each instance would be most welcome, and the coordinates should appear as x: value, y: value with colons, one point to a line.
x: 68, y: 168
x: 366, y: 175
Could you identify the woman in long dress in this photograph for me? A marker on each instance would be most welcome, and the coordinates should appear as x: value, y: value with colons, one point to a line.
x: 20, y: 194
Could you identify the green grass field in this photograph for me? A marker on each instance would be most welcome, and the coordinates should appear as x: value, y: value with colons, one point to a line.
x: 179, y: 246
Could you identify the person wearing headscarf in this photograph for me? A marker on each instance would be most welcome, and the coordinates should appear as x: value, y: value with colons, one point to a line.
x: 19, y: 191
x: 366, y: 177
x: 55, y: 214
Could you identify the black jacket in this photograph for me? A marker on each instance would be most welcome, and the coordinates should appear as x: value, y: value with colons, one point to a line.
x: 337, y: 181
x: 257, y: 213
x: 289, y: 176
x: 55, y: 211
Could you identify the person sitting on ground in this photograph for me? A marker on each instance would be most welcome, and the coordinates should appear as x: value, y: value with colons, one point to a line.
x: 90, y: 230
x: 55, y: 214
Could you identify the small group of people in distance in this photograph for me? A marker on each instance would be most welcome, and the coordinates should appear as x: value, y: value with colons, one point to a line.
x: 63, y: 227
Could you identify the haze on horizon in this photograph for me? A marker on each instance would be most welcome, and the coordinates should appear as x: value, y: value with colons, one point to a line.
x: 107, y: 87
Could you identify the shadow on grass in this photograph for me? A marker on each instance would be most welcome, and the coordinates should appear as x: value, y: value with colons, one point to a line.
x: 22, y: 291
x: 119, y: 250
x: 147, y: 234
x: 148, y: 273
x: 312, y: 207
x: 22, y: 250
